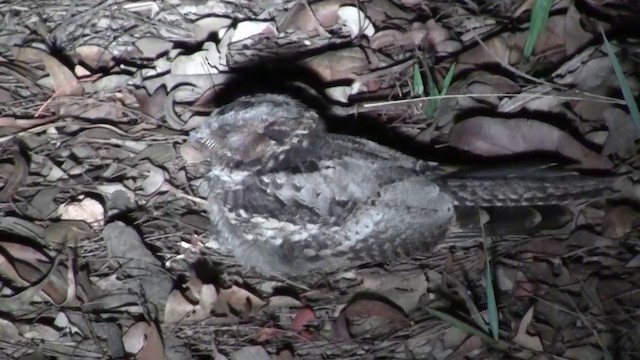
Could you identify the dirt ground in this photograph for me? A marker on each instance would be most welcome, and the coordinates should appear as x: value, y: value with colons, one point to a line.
x: 105, y: 250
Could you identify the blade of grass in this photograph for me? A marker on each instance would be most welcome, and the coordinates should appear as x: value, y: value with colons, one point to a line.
x: 622, y: 80
x: 432, y: 105
x: 418, y: 84
x: 537, y: 22
x: 446, y: 82
x: 462, y: 325
x: 492, y: 306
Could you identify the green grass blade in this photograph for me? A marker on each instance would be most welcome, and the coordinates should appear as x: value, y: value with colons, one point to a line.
x: 492, y: 306
x: 462, y: 325
x: 538, y: 20
x: 418, y: 84
x: 432, y: 105
x: 622, y: 80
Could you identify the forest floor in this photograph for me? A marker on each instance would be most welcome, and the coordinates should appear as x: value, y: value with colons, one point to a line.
x: 100, y: 215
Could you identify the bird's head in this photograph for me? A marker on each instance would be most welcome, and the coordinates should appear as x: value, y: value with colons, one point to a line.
x: 258, y: 131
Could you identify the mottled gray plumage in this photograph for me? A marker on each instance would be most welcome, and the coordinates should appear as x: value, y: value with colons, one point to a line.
x: 287, y: 197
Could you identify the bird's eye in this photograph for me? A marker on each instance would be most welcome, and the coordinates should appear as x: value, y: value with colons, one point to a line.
x: 223, y: 130
x: 276, y: 133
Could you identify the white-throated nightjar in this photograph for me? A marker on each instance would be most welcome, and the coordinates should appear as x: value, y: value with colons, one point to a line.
x: 287, y: 197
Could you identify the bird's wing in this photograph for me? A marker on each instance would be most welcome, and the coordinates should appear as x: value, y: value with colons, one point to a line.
x: 350, y: 205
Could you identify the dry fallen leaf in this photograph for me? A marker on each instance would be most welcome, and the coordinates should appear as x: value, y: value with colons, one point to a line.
x: 64, y: 81
x: 247, y: 29
x: 623, y: 133
x: 95, y: 56
x: 180, y: 309
x: 365, y: 308
x: 302, y: 317
x: 339, y: 64
x: 356, y: 21
x: 236, y: 300
x: 523, y: 338
x: 144, y: 340
x: 489, y: 136
x: 86, y: 209
x: 619, y: 221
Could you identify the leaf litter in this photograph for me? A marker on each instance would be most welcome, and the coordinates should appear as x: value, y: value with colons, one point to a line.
x: 101, y: 224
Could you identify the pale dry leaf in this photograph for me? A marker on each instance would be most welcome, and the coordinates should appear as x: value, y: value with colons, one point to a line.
x: 589, y: 110
x: 368, y: 316
x: 91, y: 109
x: 5, y: 96
x: 191, y: 155
x: 326, y: 12
x: 436, y: 33
x: 152, y: 47
x: 152, y: 105
x: 22, y: 227
x: 523, y: 338
x: 366, y: 308
x: 339, y: 64
x: 465, y: 346
x: 17, y: 179
x: 95, y: 56
x: 62, y: 321
x: 623, y: 133
x: 251, y: 353
x: 388, y: 38
x: 384, y: 10
x: 590, y: 73
x: 283, y: 355
x: 108, y: 84
x: 179, y: 309
x: 9, y: 332
x: 282, y: 301
x: 40, y: 332
x: 339, y: 93
x: 355, y: 21
x: 144, y: 340
x: 506, y: 277
x: 302, y: 317
x: 300, y: 17
x: 619, y: 221
x: 10, y: 121
x: 633, y: 263
x: 404, y: 288
x: 81, y: 71
x: 574, y: 35
x: 198, y: 63
x: 239, y: 299
x: 118, y: 196
x: 586, y: 352
x: 153, y: 179
x: 206, y: 294
x: 489, y: 136
x: 498, y: 50
x: 86, y: 209
x: 206, y: 26
x: 537, y: 99
x: 67, y: 232
x: 247, y: 29
x: 448, y: 47
x: 268, y: 333
x: 158, y: 154
x: 64, y: 81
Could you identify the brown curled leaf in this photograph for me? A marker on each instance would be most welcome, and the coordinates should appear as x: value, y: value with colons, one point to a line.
x: 18, y: 177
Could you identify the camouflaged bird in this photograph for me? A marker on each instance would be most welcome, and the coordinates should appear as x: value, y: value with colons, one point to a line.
x: 287, y: 197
